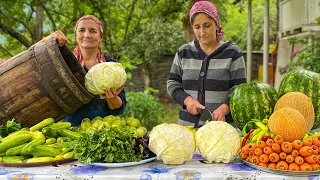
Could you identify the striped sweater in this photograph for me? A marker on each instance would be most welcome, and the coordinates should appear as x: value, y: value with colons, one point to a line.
x: 207, y: 78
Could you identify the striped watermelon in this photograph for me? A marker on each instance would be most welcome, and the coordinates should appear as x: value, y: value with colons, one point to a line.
x: 307, y: 82
x: 254, y: 100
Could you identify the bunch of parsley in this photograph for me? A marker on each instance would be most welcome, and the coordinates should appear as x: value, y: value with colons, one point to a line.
x: 108, y: 146
x: 11, y: 126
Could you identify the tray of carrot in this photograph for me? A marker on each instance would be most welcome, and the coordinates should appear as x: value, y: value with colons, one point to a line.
x: 298, y: 158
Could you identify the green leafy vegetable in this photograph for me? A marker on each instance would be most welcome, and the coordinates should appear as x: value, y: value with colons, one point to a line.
x: 108, y: 145
x: 9, y: 128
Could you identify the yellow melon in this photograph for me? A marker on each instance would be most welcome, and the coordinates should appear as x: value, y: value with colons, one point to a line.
x: 299, y: 102
x: 288, y: 123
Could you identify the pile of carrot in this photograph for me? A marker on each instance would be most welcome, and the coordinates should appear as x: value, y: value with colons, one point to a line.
x: 300, y: 155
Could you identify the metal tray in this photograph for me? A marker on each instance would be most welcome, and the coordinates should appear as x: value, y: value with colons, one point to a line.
x: 283, y: 172
x: 37, y: 164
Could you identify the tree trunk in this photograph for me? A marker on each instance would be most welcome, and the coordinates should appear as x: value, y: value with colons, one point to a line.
x: 146, y: 75
x: 39, y: 21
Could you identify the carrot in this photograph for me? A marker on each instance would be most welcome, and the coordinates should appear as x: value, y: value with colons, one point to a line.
x: 255, y: 160
x: 316, y: 140
x: 297, y: 144
x: 252, y: 146
x: 278, y: 139
x: 272, y: 165
x: 263, y: 164
x: 294, y: 167
x: 276, y: 147
x: 310, y: 159
x: 274, y: 157
x: 315, y: 166
x: 251, y: 153
x: 261, y: 144
x: 305, y: 167
x: 283, y: 155
x: 282, y: 165
x: 249, y: 158
x: 243, y: 155
x: 295, y: 153
x: 298, y: 160
x: 258, y: 151
x: 264, y: 158
x: 305, y: 151
x: 269, y: 142
x: 245, y: 149
x: 314, y: 149
x: 318, y: 157
x: 307, y: 142
x: 267, y: 150
x: 286, y: 147
x: 290, y: 159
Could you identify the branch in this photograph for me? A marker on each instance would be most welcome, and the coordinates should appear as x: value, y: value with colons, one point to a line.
x: 20, y: 21
x: 15, y: 35
x: 6, y: 51
x: 54, y: 27
x: 129, y: 19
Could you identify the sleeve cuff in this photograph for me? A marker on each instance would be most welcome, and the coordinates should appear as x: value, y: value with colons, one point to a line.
x: 227, y: 101
x: 181, y: 95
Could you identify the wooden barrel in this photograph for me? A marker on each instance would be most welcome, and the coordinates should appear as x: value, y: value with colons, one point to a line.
x: 44, y: 81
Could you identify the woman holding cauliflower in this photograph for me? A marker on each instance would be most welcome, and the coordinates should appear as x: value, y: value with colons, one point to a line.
x: 110, y: 101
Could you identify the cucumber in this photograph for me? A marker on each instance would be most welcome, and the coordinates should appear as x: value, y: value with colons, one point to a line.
x: 67, y: 133
x: 43, y: 151
x: 49, y: 132
x: 13, y: 159
x: 39, y: 159
x: 42, y: 124
x: 14, y: 141
x: 14, y: 134
x: 15, y: 150
x: 24, y: 150
x: 60, y: 125
x: 68, y: 155
x: 51, y: 141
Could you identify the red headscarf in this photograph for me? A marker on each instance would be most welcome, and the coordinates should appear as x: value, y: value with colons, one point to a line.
x: 209, y: 9
x: 77, y: 51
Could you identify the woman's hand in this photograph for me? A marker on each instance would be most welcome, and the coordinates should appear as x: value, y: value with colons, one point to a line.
x: 220, y: 113
x: 111, y: 93
x: 62, y: 39
x: 192, y: 105
x: 112, y: 98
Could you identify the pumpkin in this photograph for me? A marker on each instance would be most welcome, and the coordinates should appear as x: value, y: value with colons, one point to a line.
x: 288, y: 123
x: 299, y: 102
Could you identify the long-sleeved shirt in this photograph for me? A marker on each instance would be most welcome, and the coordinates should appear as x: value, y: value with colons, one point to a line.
x: 209, y: 79
x: 96, y: 107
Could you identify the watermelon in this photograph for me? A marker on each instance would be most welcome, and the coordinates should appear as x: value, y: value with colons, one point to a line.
x: 254, y: 100
x: 307, y: 82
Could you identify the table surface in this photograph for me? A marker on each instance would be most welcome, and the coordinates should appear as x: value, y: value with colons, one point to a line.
x: 192, y: 170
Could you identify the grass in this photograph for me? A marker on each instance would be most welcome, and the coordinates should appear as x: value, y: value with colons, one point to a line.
x: 171, y: 113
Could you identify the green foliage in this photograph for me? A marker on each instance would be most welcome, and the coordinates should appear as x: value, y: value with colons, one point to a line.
x: 237, y: 18
x: 308, y: 58
x: 145, y: 107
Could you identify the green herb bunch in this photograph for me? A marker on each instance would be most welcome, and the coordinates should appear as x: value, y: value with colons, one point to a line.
x: 110, y: 145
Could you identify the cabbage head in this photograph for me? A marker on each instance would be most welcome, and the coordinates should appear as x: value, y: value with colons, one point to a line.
x: 104, y: 76
x: 172, y: 143
x: 218, y: 141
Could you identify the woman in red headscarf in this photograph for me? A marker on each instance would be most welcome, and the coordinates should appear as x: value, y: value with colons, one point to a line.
x: 205, y: 71
x: 89, y: 32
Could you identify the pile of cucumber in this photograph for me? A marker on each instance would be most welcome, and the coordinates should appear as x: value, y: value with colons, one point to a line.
x: 43, y: 142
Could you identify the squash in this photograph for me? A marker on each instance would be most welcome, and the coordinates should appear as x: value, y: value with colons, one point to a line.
x: 288, y: 123
x: 299, y: 102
